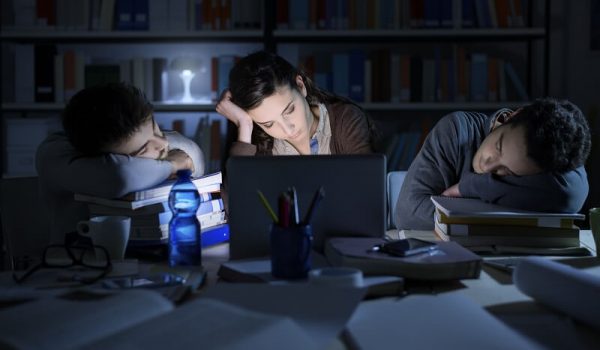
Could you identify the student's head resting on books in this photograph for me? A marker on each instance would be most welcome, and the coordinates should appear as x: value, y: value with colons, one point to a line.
x: 548, y: 135
x: 266, y: 90
x: 113, y: 118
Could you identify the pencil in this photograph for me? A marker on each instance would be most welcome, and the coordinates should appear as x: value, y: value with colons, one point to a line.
x: 267, y: 206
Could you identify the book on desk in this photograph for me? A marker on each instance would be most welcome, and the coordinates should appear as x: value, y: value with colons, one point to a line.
x: 449, y: 261
x: 227, y: 316
x: 150, y: 213
x: 479, y: 225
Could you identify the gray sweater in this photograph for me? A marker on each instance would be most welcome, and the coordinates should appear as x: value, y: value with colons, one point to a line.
x: 445, y: 159
x: 63, y: 172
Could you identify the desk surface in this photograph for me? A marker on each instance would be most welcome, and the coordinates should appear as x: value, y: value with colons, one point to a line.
x: 493, y: 290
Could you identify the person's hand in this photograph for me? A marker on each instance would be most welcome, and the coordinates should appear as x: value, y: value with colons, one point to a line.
x: 179, y: 160
x: 452, y: 191
x: 236, y: 115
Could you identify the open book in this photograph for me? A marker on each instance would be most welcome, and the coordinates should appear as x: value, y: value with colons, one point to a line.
x: 143, y: 319
x: 444, y: 321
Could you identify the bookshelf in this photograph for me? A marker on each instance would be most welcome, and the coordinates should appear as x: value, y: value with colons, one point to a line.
x: 406, y: 38
x: 513, y: 44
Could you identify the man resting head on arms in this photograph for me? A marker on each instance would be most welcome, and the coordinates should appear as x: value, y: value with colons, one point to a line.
x: 111, y: 145
x: 530, y: 159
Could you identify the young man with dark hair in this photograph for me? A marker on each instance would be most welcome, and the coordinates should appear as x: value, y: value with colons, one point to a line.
x: 111, y: 145
x: 531, y: 159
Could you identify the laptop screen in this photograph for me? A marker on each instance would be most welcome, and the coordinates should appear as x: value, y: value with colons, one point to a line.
x: 354, y: 202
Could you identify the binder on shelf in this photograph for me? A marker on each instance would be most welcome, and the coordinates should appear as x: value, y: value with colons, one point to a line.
x: 356, y: 75
x: 341, y: 70
x: 140, y: 14
x: 124, y: 14
x: 44, y: 72
x: 516, y: 82
x: 24, y: 75
x: 479, y: 77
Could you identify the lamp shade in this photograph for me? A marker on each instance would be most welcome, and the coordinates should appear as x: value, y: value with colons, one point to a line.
x: 184, y: 63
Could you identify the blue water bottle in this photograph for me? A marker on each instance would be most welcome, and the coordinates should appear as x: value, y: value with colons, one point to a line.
x: 184, y: 227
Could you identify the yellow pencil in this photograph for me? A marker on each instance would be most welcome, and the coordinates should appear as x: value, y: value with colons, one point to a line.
x: 267, y: 206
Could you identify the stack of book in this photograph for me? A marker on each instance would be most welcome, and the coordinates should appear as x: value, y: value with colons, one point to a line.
x: 150, y: 213
x: 479, y: 225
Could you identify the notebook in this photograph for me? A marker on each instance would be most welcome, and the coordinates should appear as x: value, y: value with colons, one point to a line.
x: 354, y: 202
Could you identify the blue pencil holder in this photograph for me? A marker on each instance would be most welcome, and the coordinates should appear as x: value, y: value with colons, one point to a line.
x: 290, y: 251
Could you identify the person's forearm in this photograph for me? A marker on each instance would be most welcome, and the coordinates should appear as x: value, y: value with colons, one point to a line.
x: 109, y: 176
x: 242, y: 149
x: 245, y: 132
x: 415, y: 212
x: 180, y: 142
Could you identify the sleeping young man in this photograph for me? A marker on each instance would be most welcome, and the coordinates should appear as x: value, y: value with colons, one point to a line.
x: 111, y: 145
x: 532, y: 159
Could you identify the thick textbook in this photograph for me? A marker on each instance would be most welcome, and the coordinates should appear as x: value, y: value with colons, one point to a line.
x: 510, y: 240
x: 472, y: 235
x: 164, y: 188
x: 449, y: 262
x: 143, y: 319
x: 458, y: 210
x: 206, y: 185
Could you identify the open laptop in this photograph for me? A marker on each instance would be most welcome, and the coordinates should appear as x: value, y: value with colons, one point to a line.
x: 354, y: 202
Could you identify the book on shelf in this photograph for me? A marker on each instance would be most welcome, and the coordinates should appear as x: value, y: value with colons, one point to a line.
x: 449, y: 262
x: 148, y: 320
x: 459, y: 210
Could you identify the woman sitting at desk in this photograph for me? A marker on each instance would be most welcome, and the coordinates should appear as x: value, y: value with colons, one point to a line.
x: 293, y: 115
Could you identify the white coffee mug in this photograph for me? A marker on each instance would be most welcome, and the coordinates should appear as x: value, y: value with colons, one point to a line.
x: 111, y: 232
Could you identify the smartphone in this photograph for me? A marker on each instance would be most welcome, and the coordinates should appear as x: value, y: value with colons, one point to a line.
x: 149, y: 281
x: 407, y: 247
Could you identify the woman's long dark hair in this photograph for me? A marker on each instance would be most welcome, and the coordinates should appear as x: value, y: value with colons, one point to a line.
x: 258, y: 76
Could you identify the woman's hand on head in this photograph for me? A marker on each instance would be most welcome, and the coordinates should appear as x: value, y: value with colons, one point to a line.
x: 236, y: 115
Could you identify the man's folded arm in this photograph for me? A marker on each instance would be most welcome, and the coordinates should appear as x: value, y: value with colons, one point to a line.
x: 109, y: 176
x: 178, y: 141
x: 429, y: 174
x: 548, y: 192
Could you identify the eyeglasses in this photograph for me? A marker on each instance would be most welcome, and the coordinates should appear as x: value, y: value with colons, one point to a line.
x: 77, y: 251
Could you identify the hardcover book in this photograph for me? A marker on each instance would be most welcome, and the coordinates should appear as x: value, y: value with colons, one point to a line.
x: 206, y: 184
x: 450, y: 261
x: 455, y: 210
